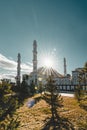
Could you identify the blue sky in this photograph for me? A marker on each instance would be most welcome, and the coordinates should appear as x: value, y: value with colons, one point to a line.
x: 59, y: 26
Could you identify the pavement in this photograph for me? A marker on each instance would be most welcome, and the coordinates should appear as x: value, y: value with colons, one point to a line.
x: 67, y: 94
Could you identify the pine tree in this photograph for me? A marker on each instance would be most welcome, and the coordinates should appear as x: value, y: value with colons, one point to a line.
x: 52, y: 97
x: 8, y: 106
x: 24, y: 89
x: 82, y: 79
x: 32, y: 88
x: 40, y: 87
x: 85, y: 76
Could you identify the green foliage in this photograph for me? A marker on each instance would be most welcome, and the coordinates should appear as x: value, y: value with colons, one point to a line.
x: 24, y: 89
x: 8, y: 106
x: 10, y: 124
x: 85, y: 67
x: 83, y: 102
x: 82, y: 79
x: 52, y: 97
x: 32, y: 88
x: 78, y: 92
x: 82, y: 125
x: 40, y: 88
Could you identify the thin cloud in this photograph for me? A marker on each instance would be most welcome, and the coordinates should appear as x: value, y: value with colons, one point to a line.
x: 25, y: 68
x: 30, y: 64
x: 8, y: 76
x: 10, y: 65
x: 7, y: 64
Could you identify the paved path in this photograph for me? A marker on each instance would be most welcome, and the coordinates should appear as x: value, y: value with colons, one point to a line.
x: 67, y: 94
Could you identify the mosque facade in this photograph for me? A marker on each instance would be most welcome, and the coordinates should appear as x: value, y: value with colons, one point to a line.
x: 65, y: 82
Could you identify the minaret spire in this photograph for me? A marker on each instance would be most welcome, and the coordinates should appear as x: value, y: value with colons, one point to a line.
x: 34, y: 56
x: 18, y: 69
x: 35, y: 61
x: 65, y: 72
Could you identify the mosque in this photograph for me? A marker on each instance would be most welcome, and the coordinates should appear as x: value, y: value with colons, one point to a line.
x: 65, y: 82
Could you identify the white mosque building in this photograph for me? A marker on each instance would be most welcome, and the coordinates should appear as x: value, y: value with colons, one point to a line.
x: 65, y: 82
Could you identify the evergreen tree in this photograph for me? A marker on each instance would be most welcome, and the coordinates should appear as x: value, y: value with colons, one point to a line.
x: 24, y: 89
x: 82, y: 80
x: 53, y: 98
x: 32, y: 88
x: 8, y: 106
x: 85, y: 76
x: 40, y: 87
x: 78, y: 92
x: 85, y: 67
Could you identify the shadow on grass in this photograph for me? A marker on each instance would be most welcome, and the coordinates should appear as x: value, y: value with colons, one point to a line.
x: 59, y: 124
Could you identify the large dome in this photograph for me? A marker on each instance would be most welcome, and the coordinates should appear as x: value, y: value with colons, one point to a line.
x: 46, y: 72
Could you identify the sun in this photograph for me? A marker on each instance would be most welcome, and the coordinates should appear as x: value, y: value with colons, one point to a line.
x: 48, y: 62
x: 48, y: 59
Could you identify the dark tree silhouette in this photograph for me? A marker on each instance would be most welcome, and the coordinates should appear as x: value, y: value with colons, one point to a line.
x: 24, y: 89
x: 32, y: 88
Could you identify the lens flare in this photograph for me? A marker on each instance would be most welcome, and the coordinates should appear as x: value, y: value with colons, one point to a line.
x: 47, y: 58
x: 48, y: 62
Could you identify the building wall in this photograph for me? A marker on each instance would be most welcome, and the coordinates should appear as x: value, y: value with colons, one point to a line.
x: 64, y: 83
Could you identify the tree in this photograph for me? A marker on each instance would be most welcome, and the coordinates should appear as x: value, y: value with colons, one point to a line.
x: 24, y: 89
x: 78, y: 92
x: 32, y: 88
x: 82, y: 80
x: 53, y: 98
x: 8, y: 106
x: 85, y: 75
x: 85, y: 66
x: 40, y: 87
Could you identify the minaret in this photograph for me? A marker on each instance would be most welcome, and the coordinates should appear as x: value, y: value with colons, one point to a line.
x: 35, y: 61
x: 18, y: 69
x: 65, y: 72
